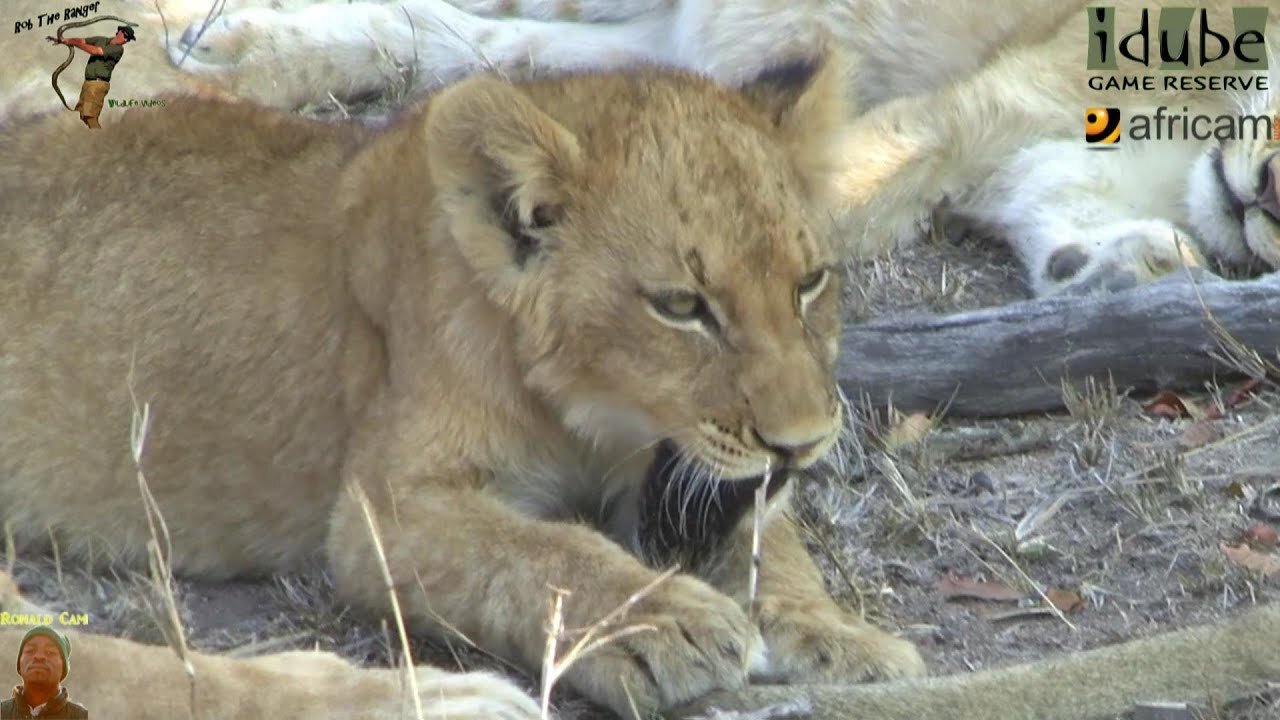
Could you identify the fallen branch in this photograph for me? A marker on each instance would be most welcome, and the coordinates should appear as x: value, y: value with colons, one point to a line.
x: 1013, y: 359
x: 1219, y: 663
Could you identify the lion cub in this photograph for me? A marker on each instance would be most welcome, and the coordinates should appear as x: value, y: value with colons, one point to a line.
x: 467, y: 332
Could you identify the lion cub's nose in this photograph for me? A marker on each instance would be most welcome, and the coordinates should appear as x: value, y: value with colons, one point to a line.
x: 790, y: 449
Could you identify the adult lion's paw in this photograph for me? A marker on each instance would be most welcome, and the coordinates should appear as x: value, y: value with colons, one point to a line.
x: 700, y: 641
x: 1118, y: 257
x: 226, y: 40
x: 260, y: 54
x: 473, y: 696
x: 824, y: 644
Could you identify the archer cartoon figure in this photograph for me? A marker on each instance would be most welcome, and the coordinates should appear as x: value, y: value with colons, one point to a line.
x: 104, y: 53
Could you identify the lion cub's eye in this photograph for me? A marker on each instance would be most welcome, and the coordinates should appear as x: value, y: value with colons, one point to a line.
x: 811, y: 286
x: 682, y: 307
x: 679, y: 305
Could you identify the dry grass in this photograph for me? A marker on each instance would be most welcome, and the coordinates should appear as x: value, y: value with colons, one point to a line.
x: 597, y: 635
x: 216, y: 8
x: 397, y: 615
x: 757, y: 531
x: 1094, y: 406
x: 159, y: 550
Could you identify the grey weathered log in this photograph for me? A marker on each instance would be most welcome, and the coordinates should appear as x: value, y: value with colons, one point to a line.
x: 1195, y: 665
x: 1012, y: 359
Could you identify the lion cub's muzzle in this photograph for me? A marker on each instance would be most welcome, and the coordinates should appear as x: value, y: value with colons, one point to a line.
x: 793, y: 453
x: 686, y: 513
x: 792, y: 414
x: 796, y: 445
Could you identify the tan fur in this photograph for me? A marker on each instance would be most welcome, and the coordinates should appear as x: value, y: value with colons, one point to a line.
x: 116, y: 678
x: 349, y: 310
x: 358, y: 309
x: 1209, y: 666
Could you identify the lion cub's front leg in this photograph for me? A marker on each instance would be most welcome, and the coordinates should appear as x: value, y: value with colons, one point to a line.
x: 465, y: 562
x: 808, y: 637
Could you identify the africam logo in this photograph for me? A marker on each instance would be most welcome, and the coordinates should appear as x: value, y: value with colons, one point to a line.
x: 1103, y: 126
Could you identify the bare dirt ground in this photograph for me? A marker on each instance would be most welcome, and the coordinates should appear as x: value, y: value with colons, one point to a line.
x: 1124, y: 510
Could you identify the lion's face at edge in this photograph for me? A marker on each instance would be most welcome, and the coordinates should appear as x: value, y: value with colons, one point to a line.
x: 670, y: 268
x: 1234, y: 194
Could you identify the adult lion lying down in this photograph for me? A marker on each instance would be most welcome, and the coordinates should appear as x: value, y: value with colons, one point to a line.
x: 116, y: 678
x: 977, y: 105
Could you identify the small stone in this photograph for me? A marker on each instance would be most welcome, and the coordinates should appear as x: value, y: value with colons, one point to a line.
x: 981, y: 482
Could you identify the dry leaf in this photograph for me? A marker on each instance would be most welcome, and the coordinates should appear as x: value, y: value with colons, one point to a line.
x: 1201, y: 432
x: 1195, y: 412
x: 953, y: 586
x: 1242, y: 392
x: 1067, y: 601
x: 908, y: 430
x: 1250, y: 559
x: 1170, y: 404
x: 1237, y: 396
x: 1262, y: 534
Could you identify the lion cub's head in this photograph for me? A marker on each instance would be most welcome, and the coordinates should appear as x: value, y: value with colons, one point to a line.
x: 662, y: 246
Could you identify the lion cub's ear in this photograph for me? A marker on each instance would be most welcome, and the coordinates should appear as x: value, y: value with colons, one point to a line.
x: 502, y: 169
x: 805, y: 100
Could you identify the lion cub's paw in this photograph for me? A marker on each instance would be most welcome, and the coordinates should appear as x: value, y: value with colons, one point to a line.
x: 700, y: 641
x: 807, y: 644
x: 473, y: 696
x: 1118, y: 257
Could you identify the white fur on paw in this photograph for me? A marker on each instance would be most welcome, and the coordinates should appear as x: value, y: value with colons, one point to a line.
x: 224, y: 41
x: 475, y: 696
x: 812, y: 645
x: 1117, y: 257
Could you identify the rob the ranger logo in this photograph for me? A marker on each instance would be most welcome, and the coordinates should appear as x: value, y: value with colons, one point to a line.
x: 1245, y: 40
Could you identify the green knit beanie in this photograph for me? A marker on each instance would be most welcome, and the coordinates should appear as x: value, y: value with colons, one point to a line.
x: 58, y: 639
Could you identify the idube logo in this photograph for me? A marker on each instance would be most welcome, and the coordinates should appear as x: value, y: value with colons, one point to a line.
x: 1230, y: 50
x: 1246, y: 44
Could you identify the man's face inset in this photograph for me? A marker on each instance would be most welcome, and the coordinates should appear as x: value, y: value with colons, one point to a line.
x: 40, y: 662
x: 119, y: 39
